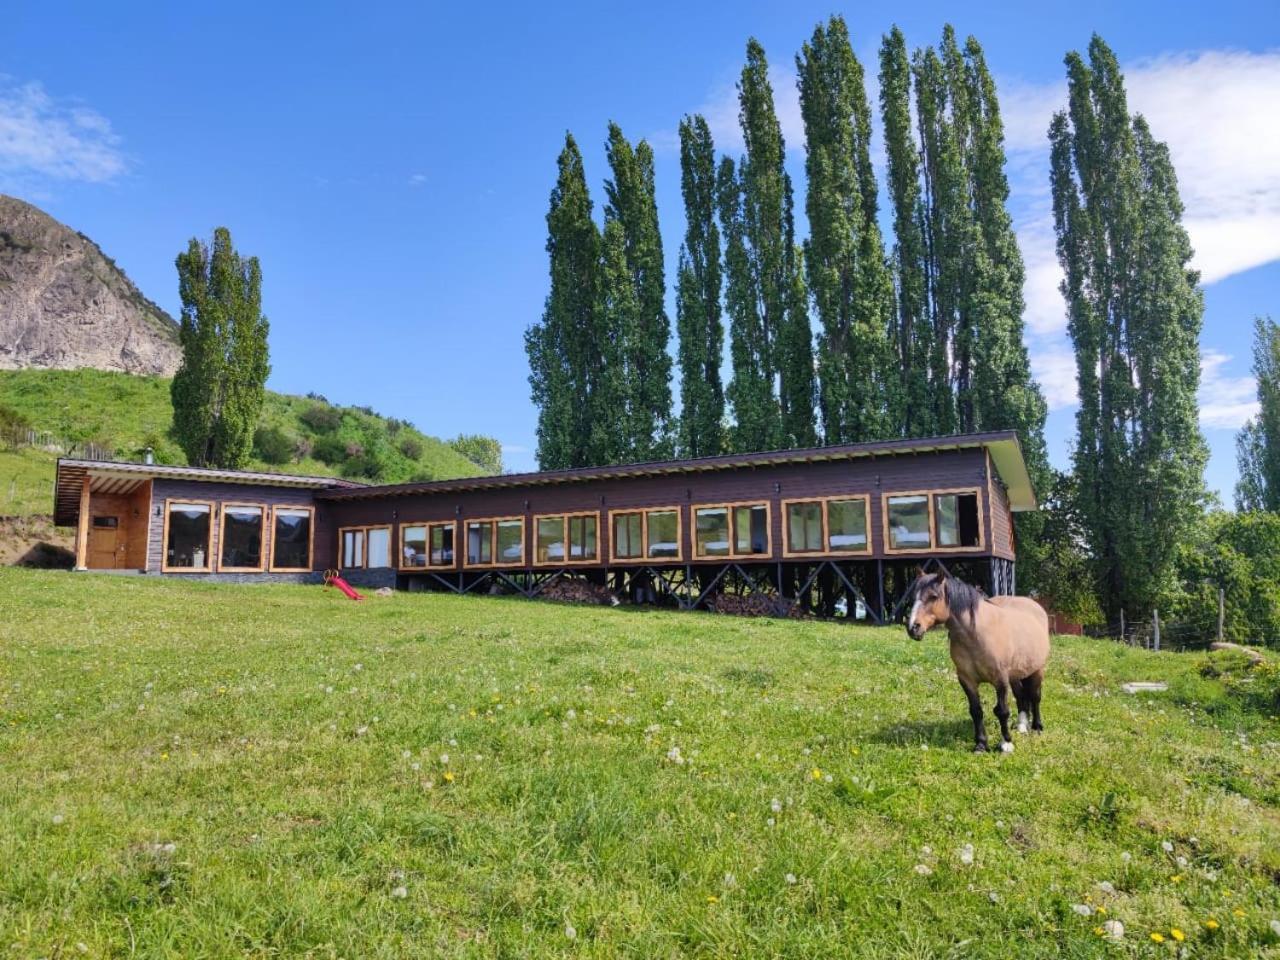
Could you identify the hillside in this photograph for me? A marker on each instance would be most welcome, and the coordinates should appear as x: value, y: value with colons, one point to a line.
x: 292, y: 774
x: 65, y: 304
x: 127, y: 413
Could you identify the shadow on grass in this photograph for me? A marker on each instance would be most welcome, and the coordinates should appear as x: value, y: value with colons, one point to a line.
x: 956, y: 734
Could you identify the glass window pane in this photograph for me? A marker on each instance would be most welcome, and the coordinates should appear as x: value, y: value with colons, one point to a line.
x: 413, y: 546
x: 711, y: 532
x: 909, y: 523
x: 582, y: 538
x: 664, y: 534
x: 847, y: 525
x: 626, y: 536
x: 804, y: 527
x: 550, y: 539
x: 480, y: 542
x: 751, y: 529
x: 379, y: 548
x: 188, y: 544
x: 291, y: 539
x: 352, y: 549
x: 511, y: 542
x: 241, y: 537
x: 956, y: 516
x: 442, y: 545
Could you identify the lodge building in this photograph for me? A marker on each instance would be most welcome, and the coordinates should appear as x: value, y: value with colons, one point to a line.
x: 842, y: 526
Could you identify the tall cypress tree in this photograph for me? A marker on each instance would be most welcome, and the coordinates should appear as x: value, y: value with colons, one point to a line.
x: 570, y: 351
x: 701, y: 332
x: 848, y: 276
x: 1258, y: 442
x: 1134, y: 318
x: 220, y: 387
x: 645, y: 375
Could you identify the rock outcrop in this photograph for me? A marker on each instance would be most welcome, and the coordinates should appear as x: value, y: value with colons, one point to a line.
x: 64, y: 304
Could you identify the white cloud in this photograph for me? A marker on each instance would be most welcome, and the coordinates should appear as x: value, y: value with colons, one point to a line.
x: 720, y: 109
x: 1226, y: 400
x: 1053, y: 364
x: 44, y: 138
x: 417, y: 180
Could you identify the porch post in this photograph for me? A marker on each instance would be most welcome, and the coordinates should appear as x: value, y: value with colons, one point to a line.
x: 82, y: 528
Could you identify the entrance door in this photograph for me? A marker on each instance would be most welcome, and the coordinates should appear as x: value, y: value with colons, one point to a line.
x: 106, y: 547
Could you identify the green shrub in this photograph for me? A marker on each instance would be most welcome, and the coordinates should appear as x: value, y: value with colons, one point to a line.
x: 330, y: 449
x: 321, y: 419
x: 411, y: 447
x: 274, y: 445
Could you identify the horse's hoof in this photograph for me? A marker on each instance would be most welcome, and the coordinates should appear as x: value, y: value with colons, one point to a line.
x: 1006, y: 746
x: 980, y: 748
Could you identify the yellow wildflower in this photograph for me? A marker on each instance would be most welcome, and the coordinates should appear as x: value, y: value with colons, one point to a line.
x: 712, y: 898
x: 1211, y: 924
x: 448, y: 776
x: 1099, y: 931
x: 1177, y: 934
x: 1158, y: 937
x: 1237, y: 912
x: 817, y: 774
x: 1176, y: 878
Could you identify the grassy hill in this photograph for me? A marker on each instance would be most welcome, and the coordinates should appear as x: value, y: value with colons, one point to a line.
x: 293, y: 774
x: 128, y: 413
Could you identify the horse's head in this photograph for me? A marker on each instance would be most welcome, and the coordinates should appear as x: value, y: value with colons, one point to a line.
x: 931, y: 606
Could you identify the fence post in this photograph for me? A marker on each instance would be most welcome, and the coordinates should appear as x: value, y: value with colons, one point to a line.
x: 1122, y: 639
x: 1221, y: 610
x: 1155, y: 626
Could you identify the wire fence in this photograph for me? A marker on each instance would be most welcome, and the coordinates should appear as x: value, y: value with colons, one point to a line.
x: 18, y: 438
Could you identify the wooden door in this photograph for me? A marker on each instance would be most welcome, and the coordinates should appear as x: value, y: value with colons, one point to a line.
x: 106, y: 545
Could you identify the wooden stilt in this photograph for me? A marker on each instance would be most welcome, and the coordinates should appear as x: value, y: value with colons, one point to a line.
x: 82, y: 528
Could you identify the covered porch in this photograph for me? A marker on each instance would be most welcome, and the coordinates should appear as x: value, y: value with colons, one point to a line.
x: 112, y: 516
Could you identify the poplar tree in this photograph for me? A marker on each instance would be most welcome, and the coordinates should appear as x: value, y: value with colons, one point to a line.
x: 1258, y: 442
x: 700, y: 330
x: 644, y: 378
x: 758, y: 202
x: 1134, y: 318
x: 848, y: 277
x: 570, y: 351
x: 219, y: 389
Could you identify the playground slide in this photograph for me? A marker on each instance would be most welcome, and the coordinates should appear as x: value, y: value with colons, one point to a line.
x: 342, y: 585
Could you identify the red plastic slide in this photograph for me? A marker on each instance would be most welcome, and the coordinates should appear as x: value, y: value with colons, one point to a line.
x: 331, y: 578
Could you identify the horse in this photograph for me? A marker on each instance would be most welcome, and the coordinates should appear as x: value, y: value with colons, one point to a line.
x: 1003, y: 641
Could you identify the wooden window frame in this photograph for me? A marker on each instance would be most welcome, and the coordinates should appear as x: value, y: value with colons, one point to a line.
x: 826, y: 502
x: 733, y: 538
x: 222, y: 535
x: 933, y: 527
x: 429, y: 525
x: 364, y: 551
x: 276, y: 508
x: 493, y: 543
x: 644, y: 559
x: 564, y: 535
x: 164, y: 537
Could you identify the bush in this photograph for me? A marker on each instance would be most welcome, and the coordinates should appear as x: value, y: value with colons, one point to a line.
x: 484, y: 452
x: 273, y: 445
x: 331, y: 450
x: 321, y: 419
x: 412, y: 447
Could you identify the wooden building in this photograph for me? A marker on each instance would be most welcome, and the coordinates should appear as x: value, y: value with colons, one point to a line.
x: 839, y: 528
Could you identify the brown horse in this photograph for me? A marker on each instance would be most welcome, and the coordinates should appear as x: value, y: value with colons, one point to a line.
x: 1003, y: 641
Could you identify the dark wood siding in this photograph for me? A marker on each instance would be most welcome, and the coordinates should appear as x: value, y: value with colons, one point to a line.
x: 773, y: 484
x: 220, y: 493
x: 1002, y: 544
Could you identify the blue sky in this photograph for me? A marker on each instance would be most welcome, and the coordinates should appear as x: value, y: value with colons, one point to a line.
x: 390, y: 164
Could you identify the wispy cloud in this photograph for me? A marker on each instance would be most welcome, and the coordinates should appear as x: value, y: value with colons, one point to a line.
x: 45, y: 138
x: 417, y: 180
x: 1226, y: 400
x: 721, y: 111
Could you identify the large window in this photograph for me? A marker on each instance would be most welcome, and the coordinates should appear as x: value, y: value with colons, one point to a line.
x: 649, y: 534
x: 494, y: 542
x: 426, y: 545
x: 662, y: 534
x: 737, y: 530
x: 413, y: 545
x: 291, y: 533
x: 365, y: 547
x: 240, y: 540
x: 628, y: 536
x: 187, y: 526
x: 566, y: 538
x: 934, y: 520
x: 441, y: 544
x: 827, y: 526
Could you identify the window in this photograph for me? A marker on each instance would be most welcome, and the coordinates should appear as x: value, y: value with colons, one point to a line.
x: 804, y: 527
x: 496, y: 542
x: 291, y: 534
x: 628, y: 536
x: 749, y: 535
x: 847, y: 525
x: 441, y: 544
x: 378, y: 548
x: 352, y: 549
x: 571, y: 538
x: 413, y: 545
x: 187, y: 527
x: 106, y: 523
x: 907, y: 521
x: 662, y: 534
x: 956, y: 520
x: 365, y: 547
x: 240, y: 543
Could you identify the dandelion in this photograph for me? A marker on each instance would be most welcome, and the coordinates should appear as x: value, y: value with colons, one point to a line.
x: 1177, y: 934
x: 58, y: 819
x: 1275, y: 927
x: 1106, y: 887
x: 1166, y: 846
x: 1157, y: 937
x: 712, y: 898
x: 569, y: 932
x: 400, y: 892
x: 1126, y: 856
x: 1211, y: 924
x: 923, y: 869
x: 1176, y: 878
x: 966, y: 854
x: 444, y: 759
x: 791, y: 879
x: 448, y: 776
x: 1237, y: 913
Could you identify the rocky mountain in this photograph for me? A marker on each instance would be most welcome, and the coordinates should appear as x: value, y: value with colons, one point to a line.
x: 65, y: 304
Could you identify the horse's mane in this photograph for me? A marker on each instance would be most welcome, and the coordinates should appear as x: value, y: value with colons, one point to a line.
x: 963, y: 598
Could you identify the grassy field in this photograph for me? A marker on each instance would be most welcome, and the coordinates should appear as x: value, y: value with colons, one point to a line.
x: 286, y: 773
x: 26, y: 482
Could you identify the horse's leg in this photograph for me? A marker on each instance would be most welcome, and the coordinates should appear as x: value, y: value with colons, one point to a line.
x: 975, y: 711
x: 1020, y: 694
x: 1033, y: 685
x: 1002, y: 714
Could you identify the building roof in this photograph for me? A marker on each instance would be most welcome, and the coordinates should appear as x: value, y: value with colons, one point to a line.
x: 1003, y: 445
x: 112, y: 477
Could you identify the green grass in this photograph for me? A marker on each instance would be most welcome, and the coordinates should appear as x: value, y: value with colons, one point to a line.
x: 291, y: 746
x: 127, y: 413
x: 26, y: 482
